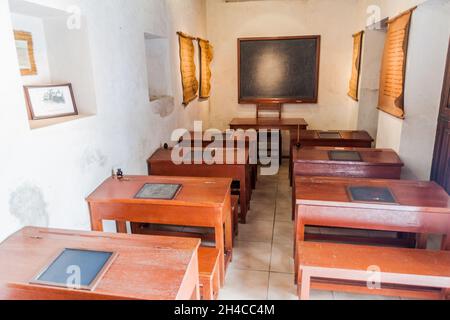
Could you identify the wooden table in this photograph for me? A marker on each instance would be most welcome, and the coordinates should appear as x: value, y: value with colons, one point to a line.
x: 423, y: 207
x: 202, y: 202
x: 134, y: 274
x: 161, y: 164
x: 315, y: 161
x: 314, y: 138
x: 293, y: 125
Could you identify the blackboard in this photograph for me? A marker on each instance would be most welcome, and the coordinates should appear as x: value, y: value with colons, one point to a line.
x: 279, y: 70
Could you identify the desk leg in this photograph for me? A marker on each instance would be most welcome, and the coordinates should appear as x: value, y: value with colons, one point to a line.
x: 254, y: 175
x: 299, y: 235
x: 305, y: 286
x: 294, y: 200
x: 422, y: 241
x: 220, y: 245
x: 121, y: 227
x: 96, y: 221
x: 229, y: 236
x: 243, y: 199
x: 446, y: 242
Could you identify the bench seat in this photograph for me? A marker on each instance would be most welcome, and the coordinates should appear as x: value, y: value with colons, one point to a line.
x: 408, y: 268
x: 209, y: 273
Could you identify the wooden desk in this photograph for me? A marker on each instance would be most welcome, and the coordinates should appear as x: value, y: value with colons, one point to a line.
x: 161, y: 164
x: 202, y: 202
x: 315, y: 161
x: 228, y: 141
x: 134, y: 274
x: 294, y: 126
x: 424, y: 207
x: 313, y: 138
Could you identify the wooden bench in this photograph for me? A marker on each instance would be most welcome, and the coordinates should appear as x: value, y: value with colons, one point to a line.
x: 209, y: 273
x: 235, y: 214
x: 414, y: 272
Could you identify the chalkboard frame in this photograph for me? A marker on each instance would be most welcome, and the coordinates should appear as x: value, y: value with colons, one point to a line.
x: 314, y: 100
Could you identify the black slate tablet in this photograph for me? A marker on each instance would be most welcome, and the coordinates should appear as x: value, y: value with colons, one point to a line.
x: 330, y: 135
x: 158, y: 191
x: 75, y: 269
x: 371, y: 195
x: 345, y: 156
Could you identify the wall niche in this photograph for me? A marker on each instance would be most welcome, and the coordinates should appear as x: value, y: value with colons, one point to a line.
x: 157, y: 56
x: 62, y: 54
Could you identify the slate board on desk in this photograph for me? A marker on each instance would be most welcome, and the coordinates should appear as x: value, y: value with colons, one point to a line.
x: 371, y: 195
x: 353, y: 156
x: 330, y: 135
x: 158, y: 191
x: 70, y: 263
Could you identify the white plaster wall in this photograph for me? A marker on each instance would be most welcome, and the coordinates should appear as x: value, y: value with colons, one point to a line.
x: 335, y: 21
x: 158, y: 67
x: 414, y: 137
x: 47, y: 173
x: 372, y: 55
x: 389, y: 132
x: 36, y: 27
x: 430, y: 32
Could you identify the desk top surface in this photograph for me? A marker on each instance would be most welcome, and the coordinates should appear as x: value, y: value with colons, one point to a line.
x: 411, y: 195
x: 203, y: 192
x: 269, y: 121
x: 134, y: 274
x: 344, y: 135
x: 238, y: 156
x: 368, y: 156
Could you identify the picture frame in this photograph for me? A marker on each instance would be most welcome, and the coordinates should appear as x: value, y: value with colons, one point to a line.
x: 50, y: 101
x: 25, y: 53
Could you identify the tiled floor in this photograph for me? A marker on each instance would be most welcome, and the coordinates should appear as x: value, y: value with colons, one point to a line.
x: 263, y: 265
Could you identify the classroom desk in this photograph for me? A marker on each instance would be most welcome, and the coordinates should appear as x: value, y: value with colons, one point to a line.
x: 161, y: 164
x: 293, y: 125
x: 134, y: 274
x: 202, y: 202
x: 315, y: 161
x: 423, y: 208
x: 317, y: 138
x: 229, y: 140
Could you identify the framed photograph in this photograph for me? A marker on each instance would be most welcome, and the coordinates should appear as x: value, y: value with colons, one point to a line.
x: 52, y: 101
x: 25, y: 53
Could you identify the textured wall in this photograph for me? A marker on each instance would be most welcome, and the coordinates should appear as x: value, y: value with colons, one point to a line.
x: 414, y: 137
x: 47, y: 173
x: 336, y: 21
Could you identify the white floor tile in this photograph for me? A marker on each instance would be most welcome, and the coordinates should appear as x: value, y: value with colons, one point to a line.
x: 282, y: 259
x: 252, y: 256
x: 245, y: 285
x: 258, y: 230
